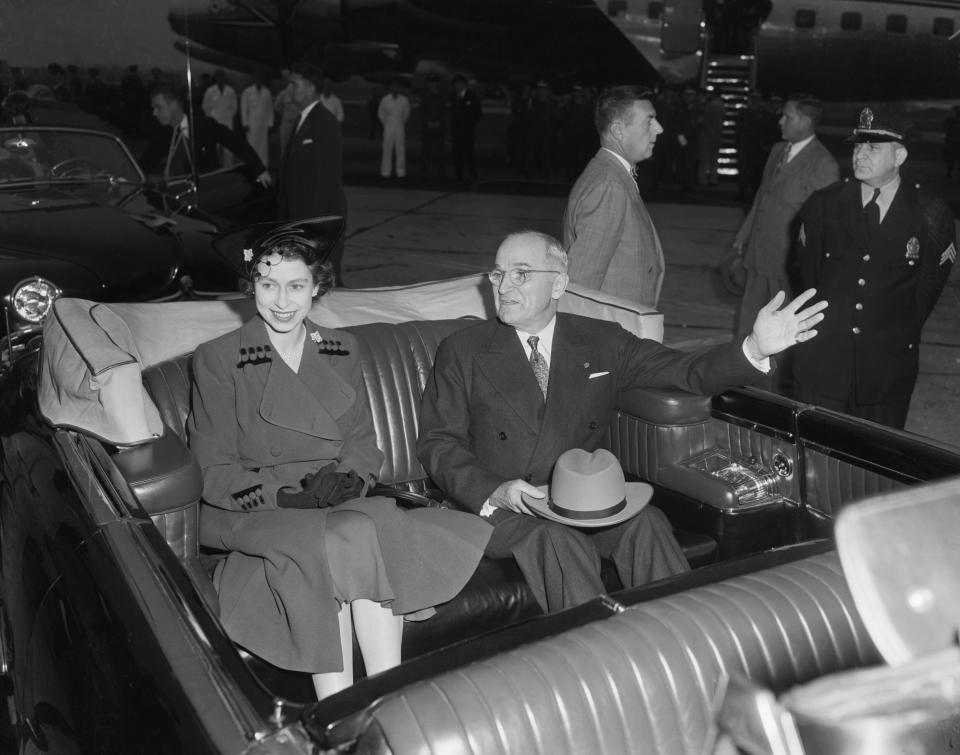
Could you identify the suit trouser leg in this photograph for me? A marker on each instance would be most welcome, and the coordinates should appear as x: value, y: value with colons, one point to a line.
x: 642, y: 548
x: 386, y: 158
x: 560, y: 563
x: 401, y: 147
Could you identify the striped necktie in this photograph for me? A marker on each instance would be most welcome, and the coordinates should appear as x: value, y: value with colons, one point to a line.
x: 540, y: 369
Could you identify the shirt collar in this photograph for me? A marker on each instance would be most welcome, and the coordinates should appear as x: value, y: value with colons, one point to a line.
x: 795, y: 147
x: 622, y: 160
x: 887, y: 192
x: 545, y: 345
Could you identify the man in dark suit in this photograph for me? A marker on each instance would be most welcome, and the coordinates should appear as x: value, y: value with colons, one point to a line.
x: 173, y: 150
x: 311, y: 169
x: 490, y: 432
x: 880, y: 250
x: 796, y: 167
x: 465, y: 111
x: 610, y: 237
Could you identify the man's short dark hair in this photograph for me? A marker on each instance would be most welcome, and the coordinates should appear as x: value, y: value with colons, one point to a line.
x: 170, y: 94
x: 809, y: 105
x: 615, y: 103
x: 310, y: 72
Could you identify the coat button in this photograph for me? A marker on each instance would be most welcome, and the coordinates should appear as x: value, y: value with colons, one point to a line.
x: 911, y: 262
x: 594, y: 425
x: 856, y: 331
x: 909, y: 345
x: 866, y: 258
x: 276, y: 451
x: 528, y: 478
x: 859, y: 306
x: 503, y: 436
x: 861, y: 282
x: 827, y: 255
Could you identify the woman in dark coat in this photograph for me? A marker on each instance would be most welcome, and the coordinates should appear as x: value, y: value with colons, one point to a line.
x: 283, y: 432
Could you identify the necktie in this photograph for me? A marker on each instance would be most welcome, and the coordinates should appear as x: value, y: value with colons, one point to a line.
x: 784, y: 158
x: 872, y: 211
x: 539, y: 365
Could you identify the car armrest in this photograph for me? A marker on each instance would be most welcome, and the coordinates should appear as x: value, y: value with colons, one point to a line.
x: 665, y: 406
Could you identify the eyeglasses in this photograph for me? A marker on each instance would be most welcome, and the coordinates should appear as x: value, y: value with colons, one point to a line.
x: 516, y: 275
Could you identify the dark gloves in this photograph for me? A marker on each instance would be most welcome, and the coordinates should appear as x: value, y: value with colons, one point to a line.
x: 324, y: 488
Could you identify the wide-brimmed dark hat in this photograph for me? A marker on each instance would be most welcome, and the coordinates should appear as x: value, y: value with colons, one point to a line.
x: 588, y: 490
x: 240, y: 247
x: 877, y: 125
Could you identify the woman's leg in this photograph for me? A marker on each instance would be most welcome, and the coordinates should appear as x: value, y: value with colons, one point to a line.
x: 334, y: 681
x: 379, y: 634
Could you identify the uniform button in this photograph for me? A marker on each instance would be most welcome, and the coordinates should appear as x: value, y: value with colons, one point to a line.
x: 861, y: 282
x: 593, y: 425
x: 910, y: 346
x: 866, y: 258
x: 503, y: 436
x: 856, y: 331
x: 827, y: 254
x: 911, y: 262
x: 859, y: 306
x: 276, y: 451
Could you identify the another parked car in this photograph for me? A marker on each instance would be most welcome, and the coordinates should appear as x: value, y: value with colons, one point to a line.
x: 109, y: 633
x: 78, y: 218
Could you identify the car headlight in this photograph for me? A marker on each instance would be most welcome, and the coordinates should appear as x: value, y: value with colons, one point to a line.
x: 33, y: 298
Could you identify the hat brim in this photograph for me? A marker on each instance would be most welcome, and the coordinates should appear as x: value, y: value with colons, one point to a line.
x: 638, y: 496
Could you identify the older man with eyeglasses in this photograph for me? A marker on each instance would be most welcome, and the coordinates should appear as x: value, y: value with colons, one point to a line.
x: 508, y: 396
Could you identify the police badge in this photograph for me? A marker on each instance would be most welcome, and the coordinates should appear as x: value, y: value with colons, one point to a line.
x: 913, y: 251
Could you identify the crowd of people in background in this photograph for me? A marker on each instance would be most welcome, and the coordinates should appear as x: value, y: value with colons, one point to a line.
x: 550, y: 133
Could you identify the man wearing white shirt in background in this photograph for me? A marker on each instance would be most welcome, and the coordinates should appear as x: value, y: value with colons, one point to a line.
x: 492, y: 424
x: 331, y: 102
x: 256, y: 115
x: 220, y: 103
x: 393, y: 113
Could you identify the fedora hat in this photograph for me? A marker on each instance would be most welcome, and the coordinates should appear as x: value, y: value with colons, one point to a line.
x: 588, y: 490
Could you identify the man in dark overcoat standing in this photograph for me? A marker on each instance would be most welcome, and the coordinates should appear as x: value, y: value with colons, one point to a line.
x: 879, y: 249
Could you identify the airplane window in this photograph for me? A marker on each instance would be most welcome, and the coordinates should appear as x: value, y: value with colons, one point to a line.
x: 655, y: 10
x: 896, y: 23
x: 851, y: 21
x: 616, y: 7
x: 943, y: 27
x: 805, y: 19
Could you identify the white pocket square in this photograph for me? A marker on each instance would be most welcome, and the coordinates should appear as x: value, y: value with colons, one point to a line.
x: 598, y: 374
x: 307, y: 141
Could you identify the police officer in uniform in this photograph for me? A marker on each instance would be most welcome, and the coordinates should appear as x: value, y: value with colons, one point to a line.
x: 879, y: 249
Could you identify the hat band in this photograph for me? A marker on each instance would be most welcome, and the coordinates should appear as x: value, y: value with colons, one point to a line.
x: 577, y: 514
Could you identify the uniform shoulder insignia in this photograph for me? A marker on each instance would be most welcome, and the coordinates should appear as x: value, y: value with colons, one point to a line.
x: 254, y: 355
x: 949, y: 255
x: 249, y: 498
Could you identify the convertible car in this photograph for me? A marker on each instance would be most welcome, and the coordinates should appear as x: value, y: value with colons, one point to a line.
x: 78, y: 218
x: 109, y: 633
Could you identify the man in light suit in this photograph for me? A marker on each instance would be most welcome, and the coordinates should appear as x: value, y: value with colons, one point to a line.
x: 490, y: 432
x: 311, y: 170
x: 796, y: 167
x: 610, y: 238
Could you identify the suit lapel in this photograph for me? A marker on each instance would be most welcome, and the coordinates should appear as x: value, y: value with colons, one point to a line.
x: 505, y: 365
x: 568, y: 378
x: 308, y: 402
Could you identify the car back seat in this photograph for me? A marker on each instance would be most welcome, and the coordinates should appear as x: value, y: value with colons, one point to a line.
x: 645, y: 680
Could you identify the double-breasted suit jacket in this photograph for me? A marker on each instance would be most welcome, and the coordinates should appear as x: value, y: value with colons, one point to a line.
x: 610, y: 239
x: 881, y: 289
x: 483, y: 418
x: 311, y: 172
x: 257, y: 426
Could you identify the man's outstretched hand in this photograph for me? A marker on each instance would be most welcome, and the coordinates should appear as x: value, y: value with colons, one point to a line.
x: 779, y: 327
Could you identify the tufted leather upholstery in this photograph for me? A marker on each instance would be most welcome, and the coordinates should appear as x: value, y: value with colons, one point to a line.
x: 642, y: 681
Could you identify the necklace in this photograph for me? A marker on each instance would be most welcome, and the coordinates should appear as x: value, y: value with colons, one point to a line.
x: 292, y: 354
